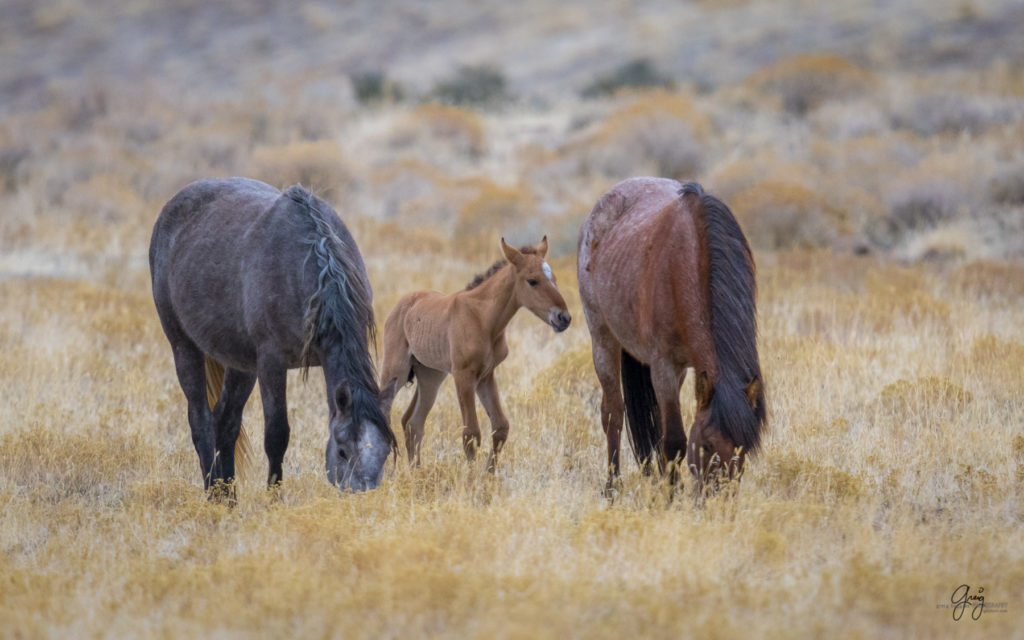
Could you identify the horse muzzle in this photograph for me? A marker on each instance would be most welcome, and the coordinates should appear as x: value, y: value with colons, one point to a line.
x: 559, y: 319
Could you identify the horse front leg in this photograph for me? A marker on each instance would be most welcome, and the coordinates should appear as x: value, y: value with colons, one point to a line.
x: 487, y: 390
x: 666, y: 379
x: 465, y: 388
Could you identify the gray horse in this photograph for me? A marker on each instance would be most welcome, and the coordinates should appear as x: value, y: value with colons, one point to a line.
x: 252, y: 282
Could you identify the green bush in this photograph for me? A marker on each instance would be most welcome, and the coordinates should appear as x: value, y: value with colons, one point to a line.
x: 374, y: 86
x: 481, y: 85
x: 638, y: 73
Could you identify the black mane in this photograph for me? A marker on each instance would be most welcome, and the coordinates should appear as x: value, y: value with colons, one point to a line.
x: 732, y: 296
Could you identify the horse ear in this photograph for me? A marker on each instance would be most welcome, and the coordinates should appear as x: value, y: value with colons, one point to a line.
x: 704, y: 390
x: 754, y: 390
x: 511, y: 254
x: 387, y: 396
x: 542, y: 248
x: 342, y: 397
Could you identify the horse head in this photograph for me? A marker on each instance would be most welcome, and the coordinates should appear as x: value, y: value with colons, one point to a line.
x: 536, y: 287
x: 360, y: 439
x: 719, y: 439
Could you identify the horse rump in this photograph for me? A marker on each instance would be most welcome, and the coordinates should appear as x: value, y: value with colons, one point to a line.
x: 642, y: 413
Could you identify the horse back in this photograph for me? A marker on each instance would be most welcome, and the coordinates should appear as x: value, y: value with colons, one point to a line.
x: 639, y: 269
x: 224, y: 262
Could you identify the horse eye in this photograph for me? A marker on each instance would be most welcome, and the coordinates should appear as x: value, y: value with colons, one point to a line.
x: 531, y: 282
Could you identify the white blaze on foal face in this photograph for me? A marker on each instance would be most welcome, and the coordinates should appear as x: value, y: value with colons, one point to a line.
x: 546, y: 268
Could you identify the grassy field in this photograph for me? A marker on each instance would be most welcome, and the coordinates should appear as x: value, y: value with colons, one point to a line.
x: 873, y: 156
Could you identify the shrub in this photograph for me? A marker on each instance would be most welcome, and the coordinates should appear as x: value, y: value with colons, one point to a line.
x: 374, y: 86
x: 10, y: 160
x: 459, y: 130
x: 658, y: 133
x: 946, y: 113
x: 802, y: 82
x: 638, y: 73
x: 318, y: 165
x: 1007, y: 186
x: 923, y: 198
x: 988, y: 279
x: 494, y: 209
x: 481, y: 85
x: 782, y: 215
x: 928, y: 400
x: 914, y: 208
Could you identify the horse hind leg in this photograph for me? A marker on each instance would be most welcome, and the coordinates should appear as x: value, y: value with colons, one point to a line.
x: 410, y: 444
x: 190, y: 368
x: 667, y: 379
x: 607, y: 364
x: 428, y: 382
x: 232, y: 394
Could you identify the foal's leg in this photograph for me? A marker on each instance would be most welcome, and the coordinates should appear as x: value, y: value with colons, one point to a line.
x: 608, y: 365
x: 666, y: 380
x: 273, y: 386
x: 465, y: 387
x: 190, y: 367
x: 487, y: 390
x: 227, y: 417
x: 428, y: 381
x: 405, y: 422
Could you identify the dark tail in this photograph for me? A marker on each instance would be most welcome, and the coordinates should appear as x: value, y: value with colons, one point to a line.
x: 737, y: 402
x: 214, y: 384
x: 641, y: 412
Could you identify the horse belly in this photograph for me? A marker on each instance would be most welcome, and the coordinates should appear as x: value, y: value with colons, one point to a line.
x: 426, y: 329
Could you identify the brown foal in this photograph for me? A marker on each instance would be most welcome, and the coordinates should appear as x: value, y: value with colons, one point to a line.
x: 430, y: 334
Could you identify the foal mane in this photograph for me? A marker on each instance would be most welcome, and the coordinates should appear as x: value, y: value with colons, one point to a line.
x: 732, y: 294
x: 479, y: 278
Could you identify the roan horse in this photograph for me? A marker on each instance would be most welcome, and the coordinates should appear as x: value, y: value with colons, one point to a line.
x: 254, y: 281
x: 429, y: 335
x: 667, y: 282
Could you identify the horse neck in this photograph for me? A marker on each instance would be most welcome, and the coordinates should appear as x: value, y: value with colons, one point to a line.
x: 342, y: 363
x: 498, y: 297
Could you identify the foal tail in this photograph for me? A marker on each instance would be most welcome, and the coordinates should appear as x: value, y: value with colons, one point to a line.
x: 214, y: 383
x: 642, y: 413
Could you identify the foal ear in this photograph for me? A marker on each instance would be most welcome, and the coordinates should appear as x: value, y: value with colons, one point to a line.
x: 705, y: 390
x: 511, y: 254
x: 754, y: 390
x: 342, y: 397
x: 542, y: 248
x: 387, y: 396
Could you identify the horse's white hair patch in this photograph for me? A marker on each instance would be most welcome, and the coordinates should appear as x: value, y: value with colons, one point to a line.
x: 547, y: 270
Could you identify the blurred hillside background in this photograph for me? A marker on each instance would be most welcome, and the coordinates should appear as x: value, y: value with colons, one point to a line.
x: 892, y: 127
x: 873, y: 152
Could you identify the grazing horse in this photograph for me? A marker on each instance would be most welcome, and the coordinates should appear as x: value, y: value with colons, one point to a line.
x: 251, y: 282
x: 429, y: 335
x: 667, y: 282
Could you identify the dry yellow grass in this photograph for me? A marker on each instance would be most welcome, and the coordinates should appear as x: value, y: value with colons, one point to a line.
x: 893, y: 469
x: 882, y: 437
